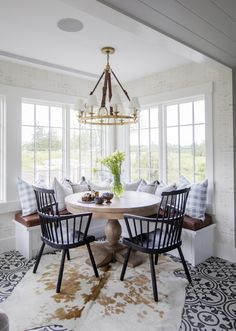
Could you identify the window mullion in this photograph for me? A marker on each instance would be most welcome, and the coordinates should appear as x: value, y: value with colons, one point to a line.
x: 91, y: 154
x: 193, y: 145
x: 35, y: 129
x: 66, y: 142
x: 129, y: 154
x: 2, y: 149
x: 164, y: 143
x: 149, y: 143
x: 49, y: 146
x: 139, y: 149
x: 80, y: 151
x: 179, y: 151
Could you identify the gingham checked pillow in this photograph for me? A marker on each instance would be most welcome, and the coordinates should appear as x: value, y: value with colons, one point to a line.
x: 27, y: 197
x: 197, y: 199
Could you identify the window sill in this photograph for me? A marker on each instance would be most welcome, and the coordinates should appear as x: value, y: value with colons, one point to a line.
x: 10, y: 206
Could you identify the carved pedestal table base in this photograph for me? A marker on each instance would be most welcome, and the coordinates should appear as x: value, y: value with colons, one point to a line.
x: 112, y: 250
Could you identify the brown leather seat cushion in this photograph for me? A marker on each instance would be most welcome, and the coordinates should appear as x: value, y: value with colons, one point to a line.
x: 28, y: 221
x: 32, y: 220
x: 195, y: 224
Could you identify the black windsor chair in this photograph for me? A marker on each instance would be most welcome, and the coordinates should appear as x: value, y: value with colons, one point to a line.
x: 162, y: 234
x: 61, y: 231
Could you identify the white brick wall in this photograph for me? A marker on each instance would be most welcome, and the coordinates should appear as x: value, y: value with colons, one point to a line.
x: 13, y: 74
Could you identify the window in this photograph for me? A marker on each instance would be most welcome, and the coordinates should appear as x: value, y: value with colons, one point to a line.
x: 185, y: 140
x: 86, y: 147
x: 169, y: 140
x: 54, y: 144
x: 2, y: 148
x: 144, y: 146
x: 42, y: 141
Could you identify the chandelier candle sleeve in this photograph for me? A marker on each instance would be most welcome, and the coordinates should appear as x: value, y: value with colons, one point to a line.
x: 110, y: 110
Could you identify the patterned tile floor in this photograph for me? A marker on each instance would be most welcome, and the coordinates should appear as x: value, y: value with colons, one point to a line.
x: 210, y: 304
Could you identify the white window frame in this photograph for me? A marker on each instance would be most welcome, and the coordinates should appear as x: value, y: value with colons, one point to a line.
x: 2, y: 149
x: 48, y: 104
x: 157, y: 100
x: 163, y: 107
x: 66, y: 129
x: 149, y: 151
x: 90, y: 129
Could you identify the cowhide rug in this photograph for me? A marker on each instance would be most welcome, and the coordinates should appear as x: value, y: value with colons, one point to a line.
x: 87, y: 303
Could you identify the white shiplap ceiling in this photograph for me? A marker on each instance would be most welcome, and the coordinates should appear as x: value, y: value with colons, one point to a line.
x: 208, y: 26
x: 29, y: 33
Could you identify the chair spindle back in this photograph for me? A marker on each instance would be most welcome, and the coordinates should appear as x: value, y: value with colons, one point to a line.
x: 165, y: 230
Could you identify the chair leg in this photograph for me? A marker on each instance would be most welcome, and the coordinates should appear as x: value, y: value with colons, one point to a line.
x: 68, y: 254
x: 153, y: 274
x: 156, y: 258
x: 92, y: 260
x: 38, y: 258
x: 61, y: 271
x: 125, y: 264
x: 185, y: 265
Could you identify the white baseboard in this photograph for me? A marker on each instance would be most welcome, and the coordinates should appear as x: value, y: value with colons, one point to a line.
x: 7, y: 244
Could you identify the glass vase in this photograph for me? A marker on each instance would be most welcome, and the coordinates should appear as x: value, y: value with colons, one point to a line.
x: 116, y: 186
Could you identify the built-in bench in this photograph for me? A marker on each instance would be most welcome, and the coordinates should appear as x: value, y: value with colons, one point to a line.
x: 197, y: 237
x: 28, y: 235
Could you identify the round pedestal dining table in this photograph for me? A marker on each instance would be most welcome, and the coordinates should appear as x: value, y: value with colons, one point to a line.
x: 132, y: 202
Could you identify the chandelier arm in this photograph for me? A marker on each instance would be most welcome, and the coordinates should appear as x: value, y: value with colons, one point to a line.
x: 110, y: 92
x: 104, y: 89
x: 97, y: 83
x: 125, y: 92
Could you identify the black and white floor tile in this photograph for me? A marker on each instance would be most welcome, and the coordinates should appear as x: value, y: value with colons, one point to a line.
x: 49, y: 328
x: 13, y: 267
x: 210, y: 304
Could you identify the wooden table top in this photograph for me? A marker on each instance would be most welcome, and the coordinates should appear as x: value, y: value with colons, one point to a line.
x: 132, y: 202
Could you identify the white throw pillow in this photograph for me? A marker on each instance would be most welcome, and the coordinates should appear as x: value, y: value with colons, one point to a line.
x: 79, y: 188
x: 162, y: 187
x: 197, y: 198
x: 148, y: 188
x: 27, y: 197
x: 105, y: 185
x: 61, y: 191
x: 132, y: 186
x: 82, y: 186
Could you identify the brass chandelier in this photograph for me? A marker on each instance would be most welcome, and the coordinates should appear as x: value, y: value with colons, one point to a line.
x: 109, y: 111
